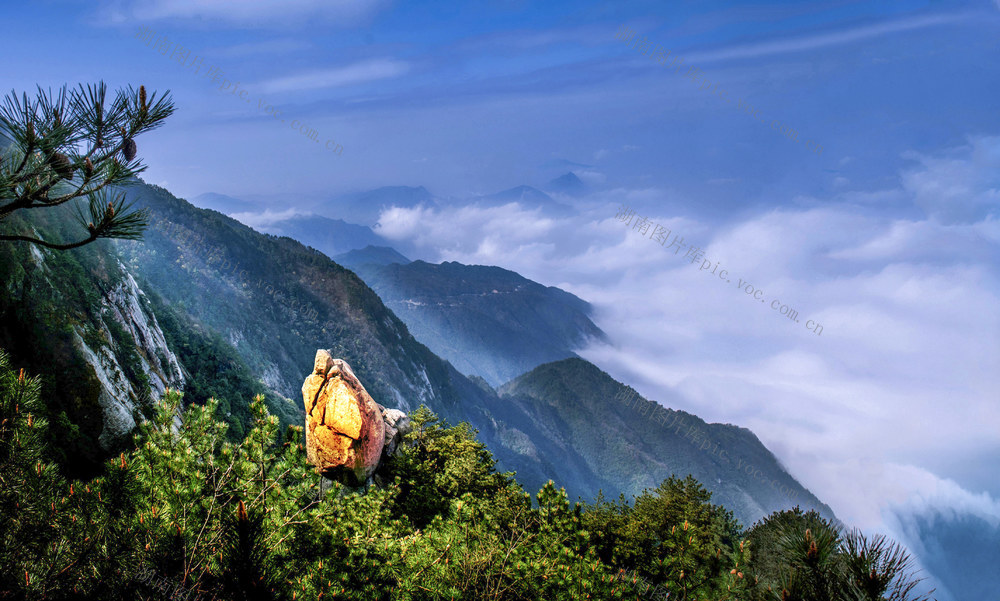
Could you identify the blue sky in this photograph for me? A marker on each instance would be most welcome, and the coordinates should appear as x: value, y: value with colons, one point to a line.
x: 889, y: 237
x: 478, y: 98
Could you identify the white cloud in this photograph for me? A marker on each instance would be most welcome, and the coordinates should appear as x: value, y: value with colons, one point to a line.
x: 923, y: 240
x: 248, y: 12
x: 368, y: 70
x: 261, y: 221
x: 798, y: 44
x: 269, y: 47
x: 473, y: 234
x: 591, y: 177
x: 902, y: 376
x: 961, y: 187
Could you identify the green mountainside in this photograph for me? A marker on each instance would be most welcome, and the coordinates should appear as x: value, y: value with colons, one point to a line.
x: 486, y: 321
x: 209, y: 306
x: 329, y: 236
x: 635, y: 443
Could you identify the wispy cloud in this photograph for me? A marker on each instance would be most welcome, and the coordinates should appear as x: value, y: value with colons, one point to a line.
x: 958, y: 188
x: 268, y: 47
x: 841, y: 37
x: 368, y: 70
x: 255, y: 13
x: 261, y: 221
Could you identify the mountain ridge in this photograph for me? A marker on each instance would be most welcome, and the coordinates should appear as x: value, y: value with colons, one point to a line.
x: 486, y: 320
x: 575, y: 386
x: 245, y: 313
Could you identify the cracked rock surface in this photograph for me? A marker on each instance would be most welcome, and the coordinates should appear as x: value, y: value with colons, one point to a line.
x: 345, y: 431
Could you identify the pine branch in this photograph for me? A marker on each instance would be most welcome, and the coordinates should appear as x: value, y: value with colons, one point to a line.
x: 48, y: 131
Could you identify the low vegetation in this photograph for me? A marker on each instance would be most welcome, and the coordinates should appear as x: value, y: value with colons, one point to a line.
x: 189, y: 511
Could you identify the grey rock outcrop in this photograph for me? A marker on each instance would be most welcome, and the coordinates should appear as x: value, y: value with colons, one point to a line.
x: 119, y: 398
x: 397, y: 424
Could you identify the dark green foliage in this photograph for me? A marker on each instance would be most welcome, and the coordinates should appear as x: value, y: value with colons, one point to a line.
x: 214, y: 369
x: 441, y: 464
x: 765, y: 538
x: 881, y: 568
x: 57, y: 539
x: 804, y: 557
x: 245, y: 557
x: 673, y: 537
x: 189, y: 511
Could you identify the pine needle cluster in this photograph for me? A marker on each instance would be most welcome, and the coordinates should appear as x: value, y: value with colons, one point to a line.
x: 76, y: 144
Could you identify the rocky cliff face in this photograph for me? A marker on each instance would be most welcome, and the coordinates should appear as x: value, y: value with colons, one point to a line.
x: 121, y: 399
x: 81, y: 319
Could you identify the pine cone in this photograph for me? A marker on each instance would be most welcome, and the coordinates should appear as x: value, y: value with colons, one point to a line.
x: 128, y: 149
x: 61, y: 165
x: 88, y: 167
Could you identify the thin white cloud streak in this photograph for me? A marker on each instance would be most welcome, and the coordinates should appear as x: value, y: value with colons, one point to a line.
x: 247, y: 12
x: 360, y: 72
x: 268, y: 47
x: 799, y: 44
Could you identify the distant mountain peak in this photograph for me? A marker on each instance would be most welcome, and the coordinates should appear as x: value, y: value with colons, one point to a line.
x: 330, y: 236
x: 404, y: 195
x: 486, y: 320
x: 568, y: 184
x: 371, y: 255
x: 526, y: 196
x: 522, y: 193
x: 225, y: 204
